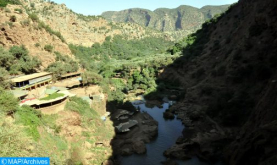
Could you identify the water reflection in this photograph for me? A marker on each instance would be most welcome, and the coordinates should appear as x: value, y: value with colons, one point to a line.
x: 169, y: 131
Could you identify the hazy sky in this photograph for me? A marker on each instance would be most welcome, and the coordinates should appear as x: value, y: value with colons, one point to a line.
x: 96, y: 7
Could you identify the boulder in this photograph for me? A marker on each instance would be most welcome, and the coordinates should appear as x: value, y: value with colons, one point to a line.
x: 168, y: 115
x: 139, y: 147
x: 173, y: 97
x: 126, y: 152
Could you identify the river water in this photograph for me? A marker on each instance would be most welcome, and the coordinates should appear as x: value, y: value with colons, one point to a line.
x: 169, y: 131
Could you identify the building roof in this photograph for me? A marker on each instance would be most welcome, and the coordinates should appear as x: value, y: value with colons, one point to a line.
x: 30, y: 77
x: 19, y: 93
x: 71, y: 74
x: 50, y: 91
x: 42, y: 102
x: 59, y: 88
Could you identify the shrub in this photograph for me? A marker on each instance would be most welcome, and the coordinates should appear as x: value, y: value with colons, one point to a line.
x: 42, y: 25
x: 19, y: 10
x: 8, y: 103
x: 25, y: 22
x: 4, y: 79
x: 10, y: 24
x: 48, y: 48
x: 91, y: 78
x: 32, y: 5
x: 19, y: 51
x: 63, y: 65
x: 37, y: 45
x: 7, y: 10
x: 34, y: 17
x: 13, y: 18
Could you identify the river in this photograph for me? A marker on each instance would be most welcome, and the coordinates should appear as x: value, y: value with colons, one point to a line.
x: 168, y: 132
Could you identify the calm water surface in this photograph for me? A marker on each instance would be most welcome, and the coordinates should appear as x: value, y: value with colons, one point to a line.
x: 169, y: 131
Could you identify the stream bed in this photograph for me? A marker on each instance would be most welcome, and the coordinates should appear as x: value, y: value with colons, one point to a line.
x: 168, y: 133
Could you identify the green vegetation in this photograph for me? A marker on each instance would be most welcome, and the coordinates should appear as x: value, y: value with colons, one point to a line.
x: 13, y: 18
x: 178, y: 18
x: 52, y: 96
x: 32, y: 5
x: 63, y: 65
x: 22, y: 137
x: 48, y: 48
x: 29, y: 117
x: 19, y: 11
x: 120, y: 48
x: 135, y: 62
x: 15, y: 138
x: 4, y: 79
x: 79, y: 105
x: 90, y: 77
x: 8, y: 103
x: 42, y: 25
x: 34, y: 17
x: 4, y: 3
x: 193, y: 45
x: 90, y: 119
x: 17, y: 60
x: 50, y: 30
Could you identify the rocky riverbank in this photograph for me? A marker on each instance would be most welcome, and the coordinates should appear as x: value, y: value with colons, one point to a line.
x: 202, y: 137
x: 134, y: 141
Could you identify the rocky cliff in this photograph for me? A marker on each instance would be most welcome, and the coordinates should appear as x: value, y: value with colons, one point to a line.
x: 229, y: 77
x: 186, y: 19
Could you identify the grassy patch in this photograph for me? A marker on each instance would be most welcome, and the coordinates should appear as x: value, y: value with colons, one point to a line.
x: 53, y: 96
x: 29, y: 117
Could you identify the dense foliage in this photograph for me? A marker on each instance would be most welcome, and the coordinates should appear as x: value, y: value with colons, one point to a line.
x: 18, y: 61
x: 14, y: 62
x: 4, y: 3
x: 120, y: 48
x: 63, y: 65
x: 90, y: 77
x: 8, y: 103
x: 123, y: 64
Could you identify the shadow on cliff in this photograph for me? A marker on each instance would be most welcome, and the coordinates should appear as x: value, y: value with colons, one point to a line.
x: 224, y: 83
x: 170, y: 84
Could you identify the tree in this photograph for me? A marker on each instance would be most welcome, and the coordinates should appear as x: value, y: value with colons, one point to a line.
x: 4, y: 80
x: 91, y: 78
x: 19, y: 51
x: 6, y: 58
x: 8, y: 103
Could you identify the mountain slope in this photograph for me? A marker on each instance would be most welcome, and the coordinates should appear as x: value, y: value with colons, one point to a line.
x: 17, y: 28
x: 185, y: 18
x: 84, y: 30
x: 228, y: 71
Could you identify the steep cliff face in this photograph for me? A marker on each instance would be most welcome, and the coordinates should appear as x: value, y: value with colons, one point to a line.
x: 18, y: 29
x: 184, y: 18
x: 82, y: 30
x: 229, y: 74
